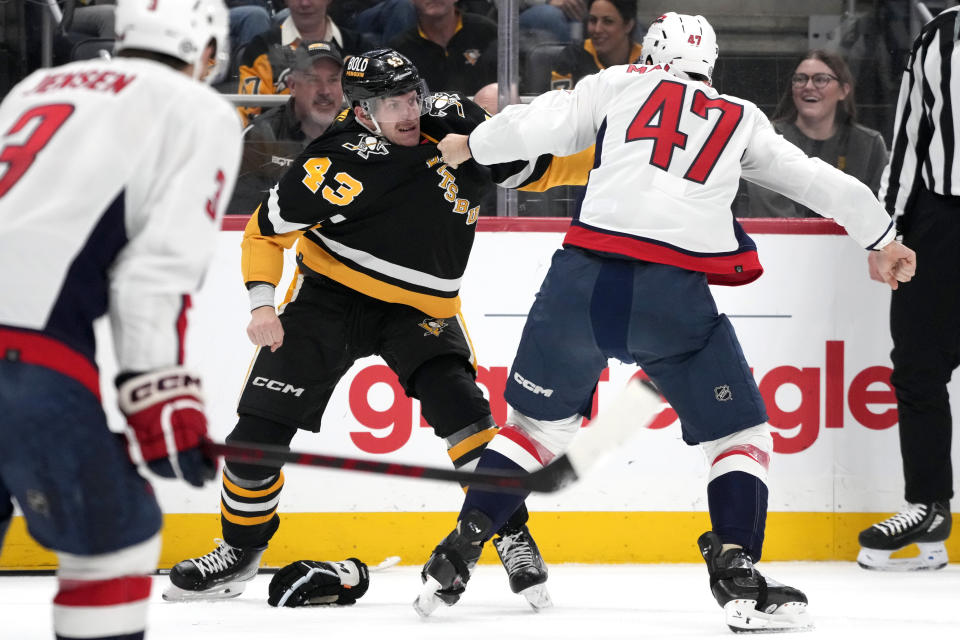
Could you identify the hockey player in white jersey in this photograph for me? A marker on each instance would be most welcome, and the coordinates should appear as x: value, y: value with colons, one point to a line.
x: 114, y: 175
x: 654, y: 228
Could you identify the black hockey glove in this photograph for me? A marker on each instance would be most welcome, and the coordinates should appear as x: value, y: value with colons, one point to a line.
x: 308, y: 582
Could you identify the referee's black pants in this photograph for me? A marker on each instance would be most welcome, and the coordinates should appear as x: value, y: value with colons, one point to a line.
x: 925, y: 326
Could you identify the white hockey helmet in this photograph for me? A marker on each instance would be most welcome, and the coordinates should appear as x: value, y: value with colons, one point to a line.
x: 687, y: 43
x: 178, y: 28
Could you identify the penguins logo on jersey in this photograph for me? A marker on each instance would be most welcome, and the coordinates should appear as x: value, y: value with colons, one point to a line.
x: 368, y: 145
x: 443, y: 101
x: 283, y: 81
x: 433, y: 326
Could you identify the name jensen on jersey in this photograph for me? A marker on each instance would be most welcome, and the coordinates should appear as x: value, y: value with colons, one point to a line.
x: 93, y: 80
x: 449, y: 185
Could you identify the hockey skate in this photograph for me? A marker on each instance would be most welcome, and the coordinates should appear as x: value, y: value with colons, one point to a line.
x: 220, y: 574
x: 524, y: 565
x: 447, y: 571
x: 927, y: 525
x: 751, y: 602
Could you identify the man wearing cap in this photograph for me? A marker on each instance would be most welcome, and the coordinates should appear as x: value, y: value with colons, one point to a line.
x: 278, y: 135
x: 266, y: 63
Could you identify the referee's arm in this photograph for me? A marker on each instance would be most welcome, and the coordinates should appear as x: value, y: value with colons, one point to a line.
x: 924, y: 135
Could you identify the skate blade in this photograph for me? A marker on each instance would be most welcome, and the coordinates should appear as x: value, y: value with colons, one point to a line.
x: 174, y: 593
x: 932, y: 556
x: 538, y: 597
x: 743, y: 617
x: 428, y: 600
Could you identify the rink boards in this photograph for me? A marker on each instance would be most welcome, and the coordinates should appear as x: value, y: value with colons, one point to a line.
x: 813, y: 328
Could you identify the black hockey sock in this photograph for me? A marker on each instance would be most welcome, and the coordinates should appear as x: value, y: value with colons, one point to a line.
x: 499, y: 507
x: 738, y: 510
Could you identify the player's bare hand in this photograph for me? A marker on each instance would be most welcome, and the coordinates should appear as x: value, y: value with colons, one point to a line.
x: 575, y: 10
x: 893, y: 264
x: 454, y: 149
x: 265, y: 329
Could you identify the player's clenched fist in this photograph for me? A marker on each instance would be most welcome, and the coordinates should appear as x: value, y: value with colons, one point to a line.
x: 165, y: 412
x: 454, y: 149
x: 893, y: 264
x: 265, y: 328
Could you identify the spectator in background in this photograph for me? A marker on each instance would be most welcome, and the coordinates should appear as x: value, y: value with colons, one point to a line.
x: 454, y: 50
x: 553, y: 20
x: 386, y: 20
x: 266, y: 63
x: 818, y: 114
x: 610, y: 26
x: 278, y: 135
x: 83, y: 20
x: 248, y: 19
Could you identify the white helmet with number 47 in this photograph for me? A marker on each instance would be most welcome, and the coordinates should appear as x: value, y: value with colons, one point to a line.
x: 687, y: 43
x: 178, y: 28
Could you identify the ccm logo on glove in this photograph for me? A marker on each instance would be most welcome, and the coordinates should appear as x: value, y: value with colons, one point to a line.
x: 165, y: 412
x: 178, y: 381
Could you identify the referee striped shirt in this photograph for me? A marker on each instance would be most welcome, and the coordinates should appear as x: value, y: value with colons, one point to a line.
x: 925, y: 135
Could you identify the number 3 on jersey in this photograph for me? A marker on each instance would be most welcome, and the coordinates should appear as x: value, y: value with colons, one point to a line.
x: 45, y: 120
x: 658, y: 119
x: 348, y: 187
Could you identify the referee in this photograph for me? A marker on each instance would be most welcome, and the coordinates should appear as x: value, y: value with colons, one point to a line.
x: 921, y: 189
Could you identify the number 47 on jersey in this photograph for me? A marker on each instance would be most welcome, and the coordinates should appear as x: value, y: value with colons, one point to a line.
x: 658, y: 119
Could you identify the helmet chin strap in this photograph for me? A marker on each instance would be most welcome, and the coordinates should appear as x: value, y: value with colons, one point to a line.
x: 369, y: 113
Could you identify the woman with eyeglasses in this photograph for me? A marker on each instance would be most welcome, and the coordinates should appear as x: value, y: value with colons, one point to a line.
x: 818, y: 114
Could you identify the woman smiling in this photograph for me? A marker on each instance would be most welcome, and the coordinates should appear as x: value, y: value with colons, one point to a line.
x: 610, y: 25
x: 818, y: 114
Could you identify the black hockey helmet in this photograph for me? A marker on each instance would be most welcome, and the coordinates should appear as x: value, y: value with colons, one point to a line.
x: 380, y: 73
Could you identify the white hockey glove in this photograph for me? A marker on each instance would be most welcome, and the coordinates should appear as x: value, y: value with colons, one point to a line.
x: 308, y: 582
x: 165, y: 412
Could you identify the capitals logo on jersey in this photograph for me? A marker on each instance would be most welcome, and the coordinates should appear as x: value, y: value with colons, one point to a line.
x: 444, y: 101
x: 368, y: 145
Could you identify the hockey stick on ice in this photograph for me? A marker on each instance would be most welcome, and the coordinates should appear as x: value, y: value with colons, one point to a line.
x: 633, y: 409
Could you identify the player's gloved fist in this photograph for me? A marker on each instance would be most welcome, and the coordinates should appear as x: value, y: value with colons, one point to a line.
x: 308, y: 582
x: 165, y: 412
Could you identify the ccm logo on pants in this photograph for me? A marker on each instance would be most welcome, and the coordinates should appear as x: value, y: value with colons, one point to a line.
x: 531, y: 386
x: 276, y: 385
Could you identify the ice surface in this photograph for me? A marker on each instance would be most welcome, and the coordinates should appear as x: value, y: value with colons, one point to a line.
x: 592, y: 602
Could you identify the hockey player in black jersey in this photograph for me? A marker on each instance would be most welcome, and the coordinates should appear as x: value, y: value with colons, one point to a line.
x: 385, y: 229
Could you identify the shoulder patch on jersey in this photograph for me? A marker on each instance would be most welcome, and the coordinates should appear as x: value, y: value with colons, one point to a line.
x: 441, y: 102
x: 367, y: 145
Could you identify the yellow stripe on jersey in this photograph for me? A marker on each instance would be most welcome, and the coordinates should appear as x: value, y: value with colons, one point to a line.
x: 564, y: 170
x: 261, y: 257
x: 318, y: 260
x: 466, y: 334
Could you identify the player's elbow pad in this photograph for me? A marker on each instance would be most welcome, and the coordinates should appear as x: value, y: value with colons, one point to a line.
x: 164, y: 409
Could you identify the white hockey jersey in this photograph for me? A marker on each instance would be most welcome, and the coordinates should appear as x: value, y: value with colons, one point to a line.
x: 668, y: 159
x: 114, y: 175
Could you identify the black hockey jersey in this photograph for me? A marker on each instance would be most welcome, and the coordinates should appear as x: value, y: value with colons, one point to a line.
x: 389, y: 221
